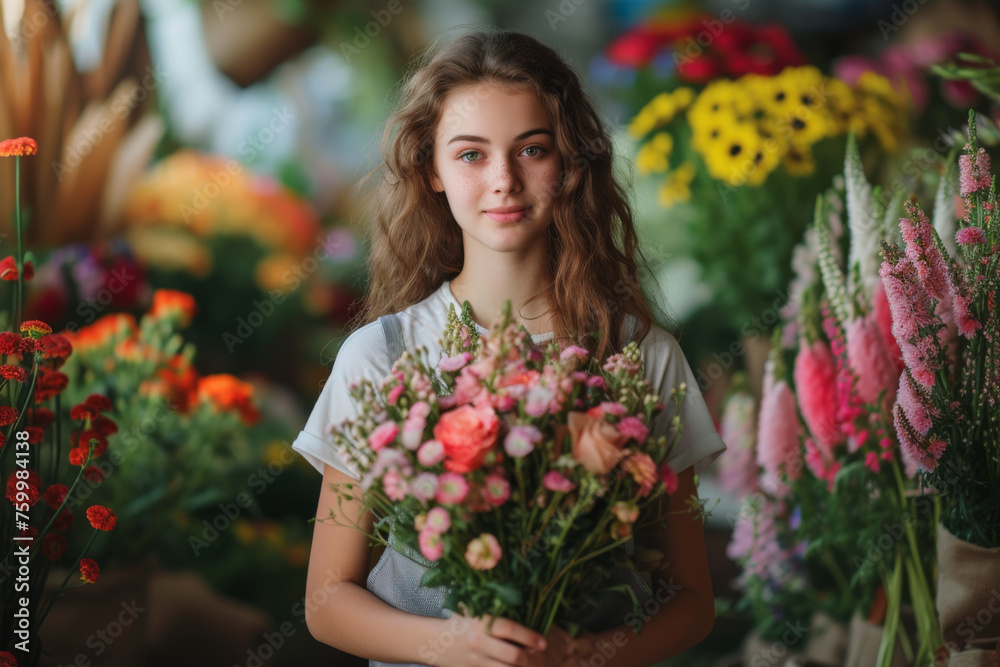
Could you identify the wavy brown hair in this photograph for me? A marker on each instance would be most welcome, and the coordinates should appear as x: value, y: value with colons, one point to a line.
x: 593, y: 254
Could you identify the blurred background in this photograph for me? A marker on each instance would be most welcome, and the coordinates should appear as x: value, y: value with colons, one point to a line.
x: 193, y: 230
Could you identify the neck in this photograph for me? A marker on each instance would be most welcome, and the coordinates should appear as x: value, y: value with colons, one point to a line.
x: 493, y: 281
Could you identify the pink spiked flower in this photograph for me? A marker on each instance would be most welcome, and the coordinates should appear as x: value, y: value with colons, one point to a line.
x: 778, y: 429
x: 973, y: 173
x: 816, y: 385
x: 871, y: 362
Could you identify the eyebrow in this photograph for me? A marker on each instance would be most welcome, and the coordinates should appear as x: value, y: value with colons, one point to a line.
x: 484, y: 140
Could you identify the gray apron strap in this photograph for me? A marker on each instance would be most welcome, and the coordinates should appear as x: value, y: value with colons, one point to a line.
x: 393, y: 332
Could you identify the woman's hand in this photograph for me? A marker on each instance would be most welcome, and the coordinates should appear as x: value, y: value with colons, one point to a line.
x: 504, y: 644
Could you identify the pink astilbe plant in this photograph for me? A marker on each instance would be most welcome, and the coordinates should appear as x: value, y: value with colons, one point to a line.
x: 778, y: 433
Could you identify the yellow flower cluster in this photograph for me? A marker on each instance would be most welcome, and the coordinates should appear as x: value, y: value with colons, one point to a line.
x: 744, y: 129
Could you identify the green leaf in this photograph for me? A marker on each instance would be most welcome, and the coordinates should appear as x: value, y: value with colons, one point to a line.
x: 508, y: 594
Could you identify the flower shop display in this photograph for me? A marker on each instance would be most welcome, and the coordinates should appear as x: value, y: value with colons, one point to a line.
x: 96, y: 129
x: 41, y: 509
x: 511, y: 471
x: 945, y: 321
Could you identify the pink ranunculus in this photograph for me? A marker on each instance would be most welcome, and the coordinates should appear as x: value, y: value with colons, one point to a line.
x: 633, y: 427
x: 395, y: 486
x: 424, y: 486
x: 430, y: 453
x: 468, y: 433
x: 574, y: 351
x: 483, y: 553
x: 496, y: 489
x: 643, y: 470
x: 395, y: 393
x: 383, y: 434
x: 419, y: 409
x: 555, y: 481
x: 413, y: 432
x: 431, y: 544
x: 455, y: 363
x: 816, y: 383
x: 438, y: 520
x: 521, y: 440
x: 452, y: 488
x: 669, y: 478
x: 597, y: 445
x: 871, y: 362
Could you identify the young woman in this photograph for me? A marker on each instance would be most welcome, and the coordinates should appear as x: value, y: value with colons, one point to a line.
x: 498, y: 184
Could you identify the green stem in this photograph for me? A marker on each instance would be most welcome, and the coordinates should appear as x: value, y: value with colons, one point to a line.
x: 20, y: 249
x: 62, y: 586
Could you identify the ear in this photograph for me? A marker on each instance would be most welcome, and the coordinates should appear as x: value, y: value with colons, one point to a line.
x: 436, y: 183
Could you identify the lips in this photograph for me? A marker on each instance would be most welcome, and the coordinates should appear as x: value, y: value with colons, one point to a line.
x: 506, y: 209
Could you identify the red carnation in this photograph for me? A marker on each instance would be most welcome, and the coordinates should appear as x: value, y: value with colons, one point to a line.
x: 93, y: 474
x: 10, y: 343
x: 81, y: 412
x: 50, y: 383
x: 32, y: 327
x: 55, y: 495
x: 55, y: 346
x: 700, y: 69
x: 89, y: 571
x: 32, y: 492
x: 103, y: 425
x: 13, y: 373
x: 64, y: 521
x: 99, y: 402
x: 28, y: 345
x: 7, y: 415
x: 53, y: 546
x: 19, y: 147
x: 78, y: 455
x: 101, y: 517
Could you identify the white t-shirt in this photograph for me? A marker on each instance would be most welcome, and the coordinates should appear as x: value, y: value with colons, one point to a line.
x: 363, y: 354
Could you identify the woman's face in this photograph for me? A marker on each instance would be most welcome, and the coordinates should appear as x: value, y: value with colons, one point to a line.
x: 495, y: 159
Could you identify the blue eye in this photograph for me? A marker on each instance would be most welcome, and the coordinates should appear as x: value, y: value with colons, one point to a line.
x: 462, y: 156
x: 536, y: 148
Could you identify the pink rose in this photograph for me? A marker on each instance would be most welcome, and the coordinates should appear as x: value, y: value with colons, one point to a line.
x: 468, y: 434
x: 597, y: 445
x: 383, y: 434
x: 555, y: 481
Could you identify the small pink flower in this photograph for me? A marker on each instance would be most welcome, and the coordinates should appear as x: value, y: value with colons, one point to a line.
x: 537, y: 401
x: 970, y: 236
x: 669, y: 478
x: 431, y: 453
x: 452, y: 488
x: 413, y: 432
x: 521, y: 440
x: 496, y: 489
x: 643, y: 470
x: 634, y: 428
x: 607, y: 408
x: 815, y: 376
x: 431, y: 545
x: 394, y: 484
x: 419, y: 409
x: 555, y: 481
x: 625, y: 512
x: 452, y: 364
x: 383, y: 434
x: 395, y: 393
x: 574, y: 351
x: 597, y: 381
x: 936, y: 447
x: 438, y: 520
x: 915, y: 401
x: 872, y: 462
x: 974, y: 174
x: 424, y: 486
x: 483, y: 553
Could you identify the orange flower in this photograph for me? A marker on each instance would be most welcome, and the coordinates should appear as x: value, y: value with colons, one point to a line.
x: 89, y: 571
x: 177, y: 381
x: 225, y: 393
x: 8, y: 269
x: 101, y: 517
x: 597, y: 445
x: 172, y: 303
x: 103, y: 329
x: 19, y: 147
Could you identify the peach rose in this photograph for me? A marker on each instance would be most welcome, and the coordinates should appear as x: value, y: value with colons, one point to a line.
x: 597, y: 445
x: 468, y: 433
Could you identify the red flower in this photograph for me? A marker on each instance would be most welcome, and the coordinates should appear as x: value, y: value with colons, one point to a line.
x: 101, y: 517
x: 55, y: 495
x: 35, y: 434
x: 13, y: 373
x: 32, y: 327
x: 55, y: 346
x: 99, y: 402
x: 32, y: 492
x: 64, y: 521
x: 31, y: 532
x: 8, y: 269
x: 7, y: 415
x: 7, y: 660
x: 93, y: 474
x: 82, y: 441
x: 28, y: 345
x: 19, y: 147
x: 10, y: 343
x: 81, y: 412
x: 701, y: 69
x: 53, y: 546
x: 41, y: 416
x: 468, y: 434
x: 78, y: 455
x: 635, y: 48
x: 668, y: 477
x: 89, y: 571
x: 103, y: 425
x: 50, y: 383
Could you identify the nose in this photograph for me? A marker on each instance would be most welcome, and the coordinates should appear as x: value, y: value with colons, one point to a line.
x: 505, y: 177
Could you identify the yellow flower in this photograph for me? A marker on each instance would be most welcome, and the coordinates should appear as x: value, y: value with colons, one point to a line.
x: 683, y: 97
x: 716, y: 101
x: 798, y: 161
x: 643, y: 122
x: 733, y: 159
x: 649, y: 159
x: 676, y: 187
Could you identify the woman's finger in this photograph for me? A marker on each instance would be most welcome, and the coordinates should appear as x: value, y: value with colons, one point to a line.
x: 505, y: 628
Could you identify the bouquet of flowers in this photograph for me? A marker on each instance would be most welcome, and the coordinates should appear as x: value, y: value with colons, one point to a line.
x: 514, y: 470
x: 945, y: 321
